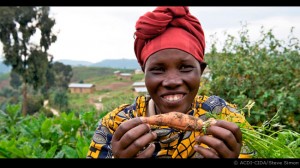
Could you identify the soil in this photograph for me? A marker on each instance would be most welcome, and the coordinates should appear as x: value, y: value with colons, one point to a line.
x: 114, y: 85
x: 4, y: 83
x: 55, y: 112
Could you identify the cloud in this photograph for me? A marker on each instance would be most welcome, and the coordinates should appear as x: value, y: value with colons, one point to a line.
x: 97, y: 33
x: 280, y: 25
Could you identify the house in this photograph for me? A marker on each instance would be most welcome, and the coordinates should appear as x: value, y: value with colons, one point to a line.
x: 82, y: 88
x: 120, y: 76
x: 117, y: 73
x: 138, y: 71
x: 139, y: 87
x: 126, y: 76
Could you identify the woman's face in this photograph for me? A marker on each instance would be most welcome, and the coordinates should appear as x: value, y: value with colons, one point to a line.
x: 172, y: 78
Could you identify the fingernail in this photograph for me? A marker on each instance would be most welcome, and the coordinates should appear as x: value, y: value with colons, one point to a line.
x: 152, y: 145
x: 154, y: 133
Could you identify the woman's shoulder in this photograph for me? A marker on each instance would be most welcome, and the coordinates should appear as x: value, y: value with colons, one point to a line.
x: 216, y: 105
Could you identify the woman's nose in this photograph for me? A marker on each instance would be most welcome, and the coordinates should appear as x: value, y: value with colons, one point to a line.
x: 172, y: 80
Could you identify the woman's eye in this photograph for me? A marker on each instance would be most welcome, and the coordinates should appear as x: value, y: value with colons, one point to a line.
x: 157, y: 70
x: 186, y: 68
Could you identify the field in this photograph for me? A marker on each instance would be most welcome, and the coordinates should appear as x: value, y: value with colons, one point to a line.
x: 264, y: 72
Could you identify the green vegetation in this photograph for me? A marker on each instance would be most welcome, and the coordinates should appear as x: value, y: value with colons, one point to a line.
x: 138, y: 77
x: 83, y: 73
x: 4, y: 76
x: 266, y: 140
x: 30, y: 61
x: 80, y: 102
x: 265, y: 72
x: 37, y: 136
x: 102, y: 80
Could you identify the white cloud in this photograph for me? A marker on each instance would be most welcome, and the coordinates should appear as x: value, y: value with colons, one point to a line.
x: 97, y: 33
x: 280, y: 25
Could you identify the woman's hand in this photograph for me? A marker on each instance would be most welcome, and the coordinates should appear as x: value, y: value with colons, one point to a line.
x: 131, y: 140
x: 224, y: 140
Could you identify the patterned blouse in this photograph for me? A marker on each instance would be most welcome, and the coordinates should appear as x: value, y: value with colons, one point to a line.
x: 170, y: 143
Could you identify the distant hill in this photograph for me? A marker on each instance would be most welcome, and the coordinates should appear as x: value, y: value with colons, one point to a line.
x: 4, y: 68
x: 108, y: 63
x: 118, y: 63
x: 74, y: 63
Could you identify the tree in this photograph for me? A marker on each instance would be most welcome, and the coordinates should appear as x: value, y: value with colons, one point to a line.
x: 15, y: 81
x: 29, y: 60
x: 58, y: 77
x: 63, y: 75
x: 61, y: 100
x: 50, y: 81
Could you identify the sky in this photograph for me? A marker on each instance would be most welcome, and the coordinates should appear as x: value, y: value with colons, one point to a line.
x: 97, y: 33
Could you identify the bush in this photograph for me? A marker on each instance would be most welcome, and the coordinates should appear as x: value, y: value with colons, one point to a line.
x: 266, y: 71
x: 34, y: 103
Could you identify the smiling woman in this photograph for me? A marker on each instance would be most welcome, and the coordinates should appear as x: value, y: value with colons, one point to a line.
x: 169, y: 46
x: 172, y: 77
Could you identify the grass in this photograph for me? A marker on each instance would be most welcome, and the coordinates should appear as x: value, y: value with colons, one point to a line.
x: 278, y: 144
x: 269, y: 140
x: 4, y: 76
x: 111, y: 97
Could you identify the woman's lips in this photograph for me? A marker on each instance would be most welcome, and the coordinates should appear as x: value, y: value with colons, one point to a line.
x: 173, y: 97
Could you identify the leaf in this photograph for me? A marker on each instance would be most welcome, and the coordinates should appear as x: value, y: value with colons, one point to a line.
x: 69, y: 152
x: 51, y: 152
x: 46, y: 128
x: 60, y: 154
x: 4, y: 153
x: 82, y: 147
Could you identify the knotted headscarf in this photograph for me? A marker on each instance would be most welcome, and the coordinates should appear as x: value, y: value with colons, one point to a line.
x: 168, y: 27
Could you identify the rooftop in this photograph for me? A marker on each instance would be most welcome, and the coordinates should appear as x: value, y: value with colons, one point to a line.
x: 80, y: 85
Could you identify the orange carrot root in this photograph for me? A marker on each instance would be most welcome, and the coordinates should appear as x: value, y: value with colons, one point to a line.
x: 178, y: 120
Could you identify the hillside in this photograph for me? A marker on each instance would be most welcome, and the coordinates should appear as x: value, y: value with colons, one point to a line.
x: 4, y: 68
x: 74, y: 62
x: 86, y: 73
x: 108, y: 63
x: 108, y: 87
x: 80, y: 73
x: 128, y: 64
x: 110, y: 91
x: 118, y: 63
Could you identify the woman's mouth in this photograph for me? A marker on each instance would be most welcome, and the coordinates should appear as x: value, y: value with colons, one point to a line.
x: 173, y: 98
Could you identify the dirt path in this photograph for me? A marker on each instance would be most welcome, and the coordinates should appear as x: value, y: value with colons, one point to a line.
x: 112, y: 86
x: 55, y: 112
x: 99, y: 105
x: 97, y: 101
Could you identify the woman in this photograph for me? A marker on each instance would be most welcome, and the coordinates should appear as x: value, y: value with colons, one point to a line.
x: 169, y: 47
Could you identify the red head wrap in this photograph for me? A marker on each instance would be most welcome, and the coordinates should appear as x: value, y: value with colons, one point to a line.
x: 168, y: 27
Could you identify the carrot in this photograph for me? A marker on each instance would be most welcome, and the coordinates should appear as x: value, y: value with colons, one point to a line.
x: 179, y: 121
